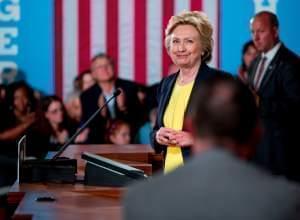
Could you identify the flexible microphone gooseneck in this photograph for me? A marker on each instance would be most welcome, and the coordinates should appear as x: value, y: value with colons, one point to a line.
x: 71, y: 139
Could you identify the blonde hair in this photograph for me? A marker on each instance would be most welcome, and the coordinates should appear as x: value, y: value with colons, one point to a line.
x: 200, y: 21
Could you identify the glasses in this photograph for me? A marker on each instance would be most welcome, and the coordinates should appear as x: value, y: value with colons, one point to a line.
x: 55, y: 111
x: 104, y: 66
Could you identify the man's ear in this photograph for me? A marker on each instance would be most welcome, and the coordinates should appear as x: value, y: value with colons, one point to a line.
x: 276, y: 32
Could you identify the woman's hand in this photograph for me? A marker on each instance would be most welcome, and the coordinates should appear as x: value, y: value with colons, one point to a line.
x: 83, y: 136
x: 62, y: 136
x: 166, y: 136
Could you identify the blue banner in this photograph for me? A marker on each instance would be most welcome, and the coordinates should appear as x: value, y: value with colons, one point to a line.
x: 26, y: 40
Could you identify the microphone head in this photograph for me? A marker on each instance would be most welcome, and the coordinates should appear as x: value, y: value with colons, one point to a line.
x: 117, y: 92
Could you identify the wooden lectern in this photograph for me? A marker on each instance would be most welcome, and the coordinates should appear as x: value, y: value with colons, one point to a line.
x: 77, y: 201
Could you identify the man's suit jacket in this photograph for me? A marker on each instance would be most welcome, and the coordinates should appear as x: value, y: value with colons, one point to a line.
x: 279, y: 107
x: 164, y: 93
x: 89, y: 103
x: 213, y: 185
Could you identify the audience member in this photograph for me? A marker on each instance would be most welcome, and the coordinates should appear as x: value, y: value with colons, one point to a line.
x: 249, y: 53
x: 217, y: 183
x: 16, y: 116
x: 275, y: 78
x: 189, y: 44
x: 125, y: 106
x: 72, y: 103
x: 85, y: 80
x: 52, y: 128
x: 118, y: 132
x: 143, y: 134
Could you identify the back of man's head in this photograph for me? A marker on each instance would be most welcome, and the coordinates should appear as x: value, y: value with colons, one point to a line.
x: 224, y: 110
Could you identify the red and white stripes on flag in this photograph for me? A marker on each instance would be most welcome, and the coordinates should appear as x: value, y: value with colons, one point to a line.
x: 131, y: 31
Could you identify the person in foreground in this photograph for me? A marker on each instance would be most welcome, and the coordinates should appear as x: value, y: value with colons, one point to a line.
x: 274, y: 77
x: 189, y: 43
x: 217, y: 182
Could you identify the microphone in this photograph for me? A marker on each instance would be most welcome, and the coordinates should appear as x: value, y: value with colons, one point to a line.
x: 71, y: 139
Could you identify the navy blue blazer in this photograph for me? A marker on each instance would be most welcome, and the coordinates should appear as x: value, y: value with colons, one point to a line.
x: 163, y: 96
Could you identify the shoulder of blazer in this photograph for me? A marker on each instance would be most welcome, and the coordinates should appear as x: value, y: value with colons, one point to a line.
x: 125, y: 83
x: 287, y: 55
x: 205, y: 72
x: 95, y: 90
x: 166, y: 83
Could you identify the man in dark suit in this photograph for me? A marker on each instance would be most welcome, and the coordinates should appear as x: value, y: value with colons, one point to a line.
x: 125, y: 106
x: 217, y: 183
x: 275, y: 78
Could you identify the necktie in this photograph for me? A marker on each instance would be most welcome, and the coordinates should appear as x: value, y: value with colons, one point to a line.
x: 259, y: 73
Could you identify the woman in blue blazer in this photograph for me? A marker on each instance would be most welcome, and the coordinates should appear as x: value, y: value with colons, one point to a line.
x: 189, y: 44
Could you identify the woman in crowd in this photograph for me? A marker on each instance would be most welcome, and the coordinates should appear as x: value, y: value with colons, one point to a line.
x: 189, y: 44
x: 52, y: 128
x: 249, y: 52
x: 17, y: 114
x: 143, y: 134
x: 81, y: 83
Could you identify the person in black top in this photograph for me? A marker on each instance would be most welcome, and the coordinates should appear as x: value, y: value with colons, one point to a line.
x: 125, y: 106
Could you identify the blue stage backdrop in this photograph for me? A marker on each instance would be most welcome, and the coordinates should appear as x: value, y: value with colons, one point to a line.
x: 235, y: 31
x: 52, y: 40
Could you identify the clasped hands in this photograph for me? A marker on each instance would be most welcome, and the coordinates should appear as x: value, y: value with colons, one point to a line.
x: 169, y: 136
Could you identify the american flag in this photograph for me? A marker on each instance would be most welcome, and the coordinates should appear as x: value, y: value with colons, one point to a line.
x: 130, y: 31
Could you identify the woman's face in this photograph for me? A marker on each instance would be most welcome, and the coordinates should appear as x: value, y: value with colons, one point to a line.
x: 21, y: 101
x: 54, y: 113
x: 250, y: 55
x: 121, y: 136
x: 185, y: 46
x: 87, y: 81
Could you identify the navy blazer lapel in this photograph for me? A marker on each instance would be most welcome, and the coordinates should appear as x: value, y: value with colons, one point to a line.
x: 271, y: 69
x: 166, y: 96
x: 254, y: 70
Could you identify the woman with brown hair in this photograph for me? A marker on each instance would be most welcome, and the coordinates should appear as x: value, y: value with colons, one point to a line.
x: 189, y: 44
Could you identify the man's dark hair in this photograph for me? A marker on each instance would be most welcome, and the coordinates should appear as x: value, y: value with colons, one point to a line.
x: 272, y: 17
x: 103, y: 55
x: 223, y: 107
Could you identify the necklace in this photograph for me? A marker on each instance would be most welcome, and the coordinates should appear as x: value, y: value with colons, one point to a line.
x: 186, y: 80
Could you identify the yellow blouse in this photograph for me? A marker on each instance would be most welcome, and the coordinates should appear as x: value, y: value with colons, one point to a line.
x: 173, y: 118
